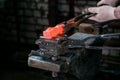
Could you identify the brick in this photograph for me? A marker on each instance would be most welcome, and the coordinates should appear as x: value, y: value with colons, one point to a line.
x: 44, y: 5
x: 28, y: 12
x: 36, y: 13
x: 33, y: 6
x: 30, y: 34
x: 42, y: 21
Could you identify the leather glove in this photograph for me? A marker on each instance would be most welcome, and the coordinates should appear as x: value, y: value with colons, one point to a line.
x: 107, y: 2
x: 104, y: 13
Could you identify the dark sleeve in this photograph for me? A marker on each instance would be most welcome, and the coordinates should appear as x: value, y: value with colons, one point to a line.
x: 117, y: 3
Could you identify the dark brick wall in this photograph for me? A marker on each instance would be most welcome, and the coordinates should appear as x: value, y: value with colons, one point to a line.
x: 24, y: 20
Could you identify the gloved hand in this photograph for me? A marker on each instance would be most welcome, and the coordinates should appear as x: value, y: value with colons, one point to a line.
x: 108, y: 2
x: 104, y: 13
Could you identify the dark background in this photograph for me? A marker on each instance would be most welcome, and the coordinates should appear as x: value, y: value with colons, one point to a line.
x: 22, y: 22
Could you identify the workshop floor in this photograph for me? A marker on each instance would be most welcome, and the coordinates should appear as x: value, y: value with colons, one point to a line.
x: 20, y: 71
x: 11, y: 70
x: 23, y: 73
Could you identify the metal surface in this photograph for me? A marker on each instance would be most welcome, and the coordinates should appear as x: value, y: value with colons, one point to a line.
x: 38, y: 62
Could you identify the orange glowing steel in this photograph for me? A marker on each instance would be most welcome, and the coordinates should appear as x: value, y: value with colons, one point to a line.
x: 52, y: 32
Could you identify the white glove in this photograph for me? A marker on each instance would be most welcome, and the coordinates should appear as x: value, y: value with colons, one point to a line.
x: 104, y: 13
x: 108, y: 2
